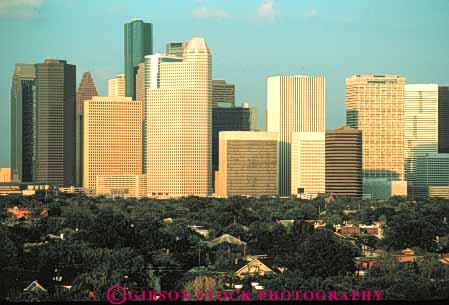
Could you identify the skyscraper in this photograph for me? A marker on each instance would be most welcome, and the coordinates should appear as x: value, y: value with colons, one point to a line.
x: 179, y: 122
x: 375, y: 105
x: 248, y: 164
x: 112, y: 140
x: 175, y: 48
x: 55, y: 123
x: 223, y: 93
x: 140, y: 83
x: 308, y: 164
x: 86, y: 91
x: 294, y: 104
x: 344, y: 162
x: 426, y: 117
x: 138, y: 44
x: 431, y: 170
x: 116, y: 86
x: 22, y: 122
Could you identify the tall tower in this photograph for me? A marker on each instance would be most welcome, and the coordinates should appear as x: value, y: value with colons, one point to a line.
x: 116, y: 86
x: 179, y: 122
x: 55, y: 123
x: 375, y: 105
x: 138, y: 44
x: 86, y: 91
x: 22, y: 130
x: 294, y: 104
x: 175, y: 48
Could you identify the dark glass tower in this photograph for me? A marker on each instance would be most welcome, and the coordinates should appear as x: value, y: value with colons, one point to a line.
x: 55, y: 123
x: 138, y: 43
x: 22, y: 98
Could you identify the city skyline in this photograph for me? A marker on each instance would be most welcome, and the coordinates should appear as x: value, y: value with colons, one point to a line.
x: 356, y: 25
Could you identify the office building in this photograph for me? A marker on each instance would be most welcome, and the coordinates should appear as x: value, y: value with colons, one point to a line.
x: 431, y: 170
x: 116, y: 86
x: 294, y: 104
x: 308, y: 165
x: 138, y: 44
x: 55, y: 123
x: 247, y: 165
x: 223, y: 94
x: 344, y: 162
x: 140, y: 83
x: 179, y: 122
x: 22, y: 122
x: 5, y: 175
x: 125, y: 186
x: 112, y: 139
x: 439, y: 191
x: 86, y: 91
x: 175, y: 48
x: 230, y: 119
x: 375, y: 106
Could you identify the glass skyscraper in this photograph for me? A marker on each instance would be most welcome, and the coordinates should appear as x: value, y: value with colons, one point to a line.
x: 138, y: 43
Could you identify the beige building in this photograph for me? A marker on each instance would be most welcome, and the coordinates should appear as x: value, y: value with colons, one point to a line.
x: 247, y: 164
x: 116, y: 86
x: 5, y: 175
x: 112, y: 144
x: 375, y: 105
x: 178, y: 129
x: 175, y: 48
x: 308, y: 164
x: 140, y: 83
x: 294, y: 104
x: 134, y: 186
x: 441, y: 191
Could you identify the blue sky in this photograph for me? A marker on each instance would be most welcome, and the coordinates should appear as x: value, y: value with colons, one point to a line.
x: 249, y: 39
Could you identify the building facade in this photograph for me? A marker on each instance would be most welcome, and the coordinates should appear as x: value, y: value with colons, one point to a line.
x: 22, y: 122
x: 247, y: 165
x: 175, y: 48
x: 138, y: 44
x: 431, y: 171
x: 5, y: 175
x: 223, y: 93
x: 344, y: 162
x: 178, y: 127
x: 375, y: 106
x: 112, y: 139
x: 55, y: 123
x: 125, y: 186
x: 116, y: 86
x: 308, y: 165
x: 294, y: 104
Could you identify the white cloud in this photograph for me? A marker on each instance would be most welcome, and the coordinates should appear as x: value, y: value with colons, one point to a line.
x: 266, y: 9
x: 19, y: 8
x: 312, y: 13
x: 204, y: 12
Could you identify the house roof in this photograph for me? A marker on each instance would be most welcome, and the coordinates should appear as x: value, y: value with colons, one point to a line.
x: 226, y: 238
x: 256, y: 263
x: 34, y: 286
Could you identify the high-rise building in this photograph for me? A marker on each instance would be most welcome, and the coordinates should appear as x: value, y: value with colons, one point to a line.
x: 229, y: 119
x: 179, y: 122
x: 86, y: 91
x: 375, y: 105
x: 344, y: 162
x: 223, y: 94
x: 308, y: 164
x: 294, y: 104
x: 140, y: 83
x: 116, y: 86
x: 112, y: 139
x: 247, y: 165
x: 431, y: 170
x: 138, y: 44
x: 175, y: 48
x: 5, y: 175
x: 55, y: 123
x: 426, y: 117
x: 22, y: 122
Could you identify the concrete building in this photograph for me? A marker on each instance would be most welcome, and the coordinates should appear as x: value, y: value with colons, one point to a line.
x: 140, y: 83
x: 116, y: 86
x: 22, y: 122
x: 179, y: 122
x: 426, y: 117
x: 344, y: 162
x: 126, y: 186
x: 294, y: 104
x: 175, y: 48
x: 431, y: 170
x: 308, y: 165
x: 55, y: 123
x: 138, y: 44
x: 5, y: 175
x: 230, y: 119
x: 375, y: 105
x: 112, y: 139
x: 223, y: 94
x: 247, y: 165
x: 86, y: 91
x: 441, y: 191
